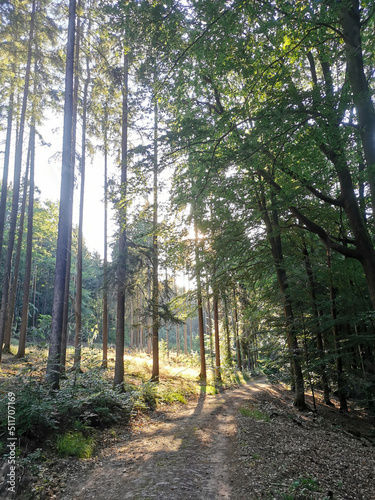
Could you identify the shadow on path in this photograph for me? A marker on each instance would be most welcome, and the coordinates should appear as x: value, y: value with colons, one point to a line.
x: 183, y: 457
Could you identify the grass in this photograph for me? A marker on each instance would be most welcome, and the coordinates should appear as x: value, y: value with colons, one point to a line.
x: 75, y: 444
x: 254, y: 413
x: 300, y: 488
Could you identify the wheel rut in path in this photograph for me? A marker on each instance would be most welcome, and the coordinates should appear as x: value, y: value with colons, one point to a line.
x: 187, y: 455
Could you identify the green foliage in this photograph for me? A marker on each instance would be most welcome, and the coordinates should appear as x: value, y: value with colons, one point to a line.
x: 255, y: 414
x: 300, y: 488
x: 172, y: 396
x: 75, y: 444
x: 84, y: 397
x: 211, y: 390
x: 147, y: 396
x: 163, y: 349
x: 43, y: 328
x: 303, y: 485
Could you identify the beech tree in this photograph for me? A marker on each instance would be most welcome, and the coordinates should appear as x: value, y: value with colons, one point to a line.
x: 262, y: 113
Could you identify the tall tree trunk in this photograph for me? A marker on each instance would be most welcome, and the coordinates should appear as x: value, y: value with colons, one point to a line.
x: 105, y: 262
x: 167, y: 338
x: 178, y: 339
x: 76, y: 81
x: 4, y: 185
x: 319, y: 338
x: 273, y: 233
x: 34, y: 294
x: 217, y: 339
x: 336, y: 338
x: 227, y: 331
x: 139, y: 330
x: 122, y: 244
x: 16, y: 183
x: 17, y: 260
x: 191, y: 333
x: 66, y: 200
x: 209, y: 328
x: 236, y: 334
x: 203, y: 372
x: 78, y: 311
x: 131, y: 323
x: 349, y: 16
x: 155, y: 256
x: 185, y: 338
x: 166, y: 323
x: 29, y: 245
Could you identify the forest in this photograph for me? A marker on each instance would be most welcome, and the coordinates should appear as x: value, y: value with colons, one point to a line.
x: 236, y: 145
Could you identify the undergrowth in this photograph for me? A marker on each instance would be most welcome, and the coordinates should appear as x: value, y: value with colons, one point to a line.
x: 75, y: 444
x: 87, y: 400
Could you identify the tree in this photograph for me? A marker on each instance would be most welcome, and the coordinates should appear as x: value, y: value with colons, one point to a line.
x: 4, y: 184
x: 66, y: 199
x: 203, y: 373
x: 78, y: 311
x: 29, y: 242
x: 16, y: 183
x: 155, y: 256
x: 122, y: 241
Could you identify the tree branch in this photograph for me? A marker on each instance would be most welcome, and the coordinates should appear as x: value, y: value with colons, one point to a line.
x: 310, y: 225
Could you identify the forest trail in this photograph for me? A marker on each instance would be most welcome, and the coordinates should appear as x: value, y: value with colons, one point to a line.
x: 183, y: 454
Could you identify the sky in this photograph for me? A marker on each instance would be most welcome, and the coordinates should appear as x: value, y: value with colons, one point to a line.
x: 48, y: 180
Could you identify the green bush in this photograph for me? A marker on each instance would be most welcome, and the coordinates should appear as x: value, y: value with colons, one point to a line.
x: 85, y: 397
x: 146, y: 397
x: 172, y: 396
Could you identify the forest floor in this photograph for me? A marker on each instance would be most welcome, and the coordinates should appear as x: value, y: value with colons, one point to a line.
x: 245, y: 443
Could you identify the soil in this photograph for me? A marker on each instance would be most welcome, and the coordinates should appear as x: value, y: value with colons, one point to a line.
x: 245, y: 443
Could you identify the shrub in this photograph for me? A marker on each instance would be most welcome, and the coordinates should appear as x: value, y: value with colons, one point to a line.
x: 85, y: 397
x: 172, y: 396
x: 146, y: 397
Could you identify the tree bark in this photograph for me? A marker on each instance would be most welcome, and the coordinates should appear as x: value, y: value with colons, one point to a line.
x: 227, y: 331
x: 65, y: 321
x: 236, y: 335
x: 155, y: 255
x: 78, y: 311
x: 217, y: 339
x: 336, y: 338
x: 16, y: 183
x: 273, y: 233
x: 122, y: 243
x: 29, y: 245
x: 17, y: 260
x: 350, y: 20
x: 105, y: 261
x: 208, y: 327
x: 319, y: 338
x: 203, y: 372
x: 66, y: 200
x: 191, y: 333
x: 4, y: 185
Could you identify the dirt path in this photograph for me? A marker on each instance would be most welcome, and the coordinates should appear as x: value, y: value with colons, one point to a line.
x: 180, y: 455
